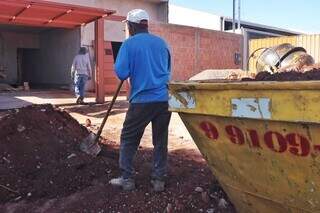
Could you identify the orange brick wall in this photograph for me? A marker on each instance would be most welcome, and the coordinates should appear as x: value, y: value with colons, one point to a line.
x: 194, y: 49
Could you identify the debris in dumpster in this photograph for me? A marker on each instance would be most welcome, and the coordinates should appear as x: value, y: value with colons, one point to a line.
x: 281, y: 58
x: 286, y: 76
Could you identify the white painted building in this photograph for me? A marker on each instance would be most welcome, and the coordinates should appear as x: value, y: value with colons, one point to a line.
x: 194, y: 18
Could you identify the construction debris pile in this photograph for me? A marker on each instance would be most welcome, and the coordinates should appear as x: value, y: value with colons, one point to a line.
x: 42, y: 168
x: 282, y: 58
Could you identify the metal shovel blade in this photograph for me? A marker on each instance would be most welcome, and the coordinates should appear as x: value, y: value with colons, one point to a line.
x: 90, y: 146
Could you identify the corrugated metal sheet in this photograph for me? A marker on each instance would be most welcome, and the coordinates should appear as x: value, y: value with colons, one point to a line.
x: 255, y: 44
x: 312, y: 44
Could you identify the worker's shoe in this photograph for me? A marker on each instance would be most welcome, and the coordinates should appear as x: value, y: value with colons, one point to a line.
x: 126, y: 184
x: 158, y: 185
x: 81, y: 101
x: 78, y: 100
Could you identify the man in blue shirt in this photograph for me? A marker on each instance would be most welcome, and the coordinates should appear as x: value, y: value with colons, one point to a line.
x: 145, y: 60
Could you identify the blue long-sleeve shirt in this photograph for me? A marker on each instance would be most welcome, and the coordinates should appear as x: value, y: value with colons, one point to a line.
x: 145, y: 59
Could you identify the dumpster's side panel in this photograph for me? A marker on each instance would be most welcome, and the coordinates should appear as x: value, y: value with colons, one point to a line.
x: 264, y: 166
x: 250, y: 101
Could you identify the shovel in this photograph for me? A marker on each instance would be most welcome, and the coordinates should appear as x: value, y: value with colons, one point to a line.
x: 90, y: 144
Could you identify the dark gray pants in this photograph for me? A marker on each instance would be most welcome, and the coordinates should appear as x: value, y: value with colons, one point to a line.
x: 139, y: 115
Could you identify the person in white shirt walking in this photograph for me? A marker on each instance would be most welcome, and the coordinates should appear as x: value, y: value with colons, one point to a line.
x: 81, y: 73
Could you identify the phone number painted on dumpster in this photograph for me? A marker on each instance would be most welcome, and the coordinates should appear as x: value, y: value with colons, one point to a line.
x: 293, y: 143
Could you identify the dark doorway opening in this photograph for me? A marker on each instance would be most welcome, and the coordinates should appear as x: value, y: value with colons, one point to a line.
x: 115, y: 48
x: 27, y: 65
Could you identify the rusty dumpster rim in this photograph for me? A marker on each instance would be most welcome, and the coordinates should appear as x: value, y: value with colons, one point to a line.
x: 237, y: 85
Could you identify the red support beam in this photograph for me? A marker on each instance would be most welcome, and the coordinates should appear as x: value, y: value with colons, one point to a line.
x: 99, y: 52
x: 59, y: 16
x: 43, y: 22
x: 37, y: 24
x: 51, y: 5
x: 20, y: 12
x: 17, y: 4
x: 48, y: 13
x: 115, y: 18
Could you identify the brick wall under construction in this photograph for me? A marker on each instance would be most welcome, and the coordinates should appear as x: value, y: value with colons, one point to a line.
x: 194, y: 49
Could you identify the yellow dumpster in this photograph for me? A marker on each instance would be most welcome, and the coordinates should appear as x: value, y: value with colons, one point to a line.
x: 260, y: 139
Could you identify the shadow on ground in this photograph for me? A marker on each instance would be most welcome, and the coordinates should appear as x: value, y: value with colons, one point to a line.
x: 98, y: 110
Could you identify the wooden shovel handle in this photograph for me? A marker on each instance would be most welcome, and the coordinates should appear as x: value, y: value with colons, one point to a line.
x: 109, y: 110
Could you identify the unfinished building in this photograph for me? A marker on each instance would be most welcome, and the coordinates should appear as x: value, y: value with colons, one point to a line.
x: 38, y: 39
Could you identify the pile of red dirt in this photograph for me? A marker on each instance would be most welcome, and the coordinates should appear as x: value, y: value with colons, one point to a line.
x: 43, y: 170
x: 286, y: 76
x: 40, y: 157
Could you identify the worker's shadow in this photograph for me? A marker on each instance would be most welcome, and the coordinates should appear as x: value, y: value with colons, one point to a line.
x: 98, y: 110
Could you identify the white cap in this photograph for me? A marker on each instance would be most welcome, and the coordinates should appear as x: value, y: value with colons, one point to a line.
x: 137, y: 15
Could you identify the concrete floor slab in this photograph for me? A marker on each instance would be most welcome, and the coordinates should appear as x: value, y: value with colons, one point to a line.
x: 12, y: 100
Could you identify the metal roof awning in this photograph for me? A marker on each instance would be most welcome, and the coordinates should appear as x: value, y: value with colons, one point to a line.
x: 48, y: 14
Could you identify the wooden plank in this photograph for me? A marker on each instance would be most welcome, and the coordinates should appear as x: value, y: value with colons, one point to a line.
x: 108, y: 66
x: 111, y: 80
x: 99, y: 41
x: 107, y: 44
x: 110, y: 89
x: 115, y: 18
x: 110, y: 74
x: 108, y: 59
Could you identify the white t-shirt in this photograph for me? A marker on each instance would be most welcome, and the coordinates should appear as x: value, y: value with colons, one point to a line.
x: 81, y: 65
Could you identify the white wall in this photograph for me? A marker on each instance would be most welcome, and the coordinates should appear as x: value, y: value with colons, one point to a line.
x: 57, y: 50
x: 194, y: 18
